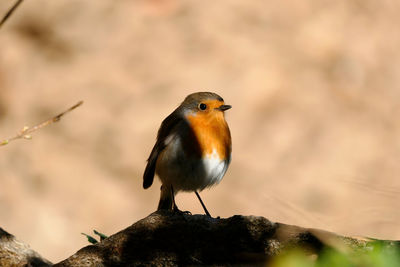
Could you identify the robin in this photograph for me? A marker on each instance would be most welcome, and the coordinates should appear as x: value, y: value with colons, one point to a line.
x: 193, y: 149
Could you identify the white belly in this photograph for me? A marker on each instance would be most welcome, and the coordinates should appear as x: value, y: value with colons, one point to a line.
x: 214, y: 167
x: 189, y: 174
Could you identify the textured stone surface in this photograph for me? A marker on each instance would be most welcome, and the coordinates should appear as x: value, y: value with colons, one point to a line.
x: 173, y: 239
x: 170, y: 239
x: 16, y: 253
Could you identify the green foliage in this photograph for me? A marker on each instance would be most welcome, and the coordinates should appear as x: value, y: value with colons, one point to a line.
x: 102, y: 236
x: 376, y: 254
x: 93, y: 240
x: 294, y: 258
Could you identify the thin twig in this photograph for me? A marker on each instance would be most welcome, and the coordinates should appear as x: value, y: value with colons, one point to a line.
x: 8, y: 14
x: 26, y: 131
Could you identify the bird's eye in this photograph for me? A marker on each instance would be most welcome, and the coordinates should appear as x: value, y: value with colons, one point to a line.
x: 202, y: 106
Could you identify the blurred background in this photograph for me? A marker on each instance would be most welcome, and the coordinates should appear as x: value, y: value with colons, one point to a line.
x: 315, y: 89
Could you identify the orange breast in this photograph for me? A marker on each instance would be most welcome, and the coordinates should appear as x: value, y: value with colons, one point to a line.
x: 212, y: 133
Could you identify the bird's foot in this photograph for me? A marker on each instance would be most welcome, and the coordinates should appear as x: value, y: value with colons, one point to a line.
x: 186, y: 212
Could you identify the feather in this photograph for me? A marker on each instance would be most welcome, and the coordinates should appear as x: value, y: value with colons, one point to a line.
x: 165, y: 131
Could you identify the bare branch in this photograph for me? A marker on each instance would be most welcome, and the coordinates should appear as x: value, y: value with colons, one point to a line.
x: 8, y: 14
x: 26, y: 131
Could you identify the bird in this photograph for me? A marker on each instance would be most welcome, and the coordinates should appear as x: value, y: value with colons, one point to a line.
x: 192, y: 150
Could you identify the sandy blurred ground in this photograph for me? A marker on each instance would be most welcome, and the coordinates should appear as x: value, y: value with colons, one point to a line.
x: 315, y: 89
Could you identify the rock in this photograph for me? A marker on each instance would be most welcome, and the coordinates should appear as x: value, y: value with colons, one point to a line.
x: 167, y: 238
x: 16, y: 253
x: 172, y: 239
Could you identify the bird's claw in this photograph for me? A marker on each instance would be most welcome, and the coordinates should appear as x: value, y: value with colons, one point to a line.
x: 186, y: 212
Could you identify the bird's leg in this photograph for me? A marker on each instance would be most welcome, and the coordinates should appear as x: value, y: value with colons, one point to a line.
x: 166, y: 198
x: 174, y: 206
x: 202, y: 204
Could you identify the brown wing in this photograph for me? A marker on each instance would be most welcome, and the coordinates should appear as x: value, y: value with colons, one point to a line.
x: 165, y: 130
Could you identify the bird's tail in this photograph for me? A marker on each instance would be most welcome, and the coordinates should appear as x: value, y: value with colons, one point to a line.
x: 166, y: 198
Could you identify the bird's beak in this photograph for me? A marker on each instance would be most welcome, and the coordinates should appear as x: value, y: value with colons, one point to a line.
x: 224, y: 107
